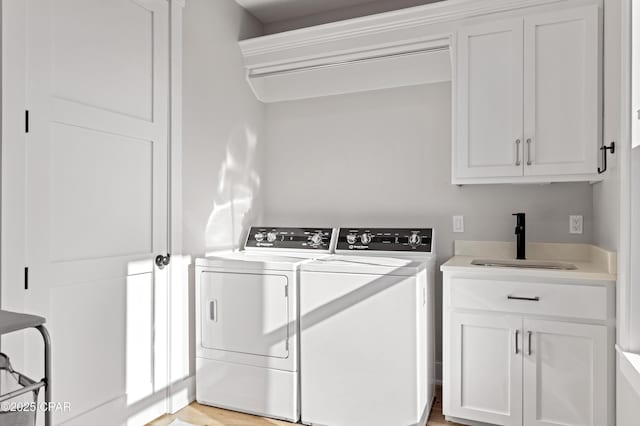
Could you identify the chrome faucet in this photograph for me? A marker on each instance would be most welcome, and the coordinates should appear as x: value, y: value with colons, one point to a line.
x: 520, y: 236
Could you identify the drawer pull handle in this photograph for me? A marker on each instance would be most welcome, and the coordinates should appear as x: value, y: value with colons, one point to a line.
x: 529, y: 333
x: 517, y: 349
x: 528, y: 299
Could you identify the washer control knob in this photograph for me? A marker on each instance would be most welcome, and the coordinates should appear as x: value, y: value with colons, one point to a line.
x: 415, y: 240
x: 316, y: 239
x: 351, y: 238
x: 271, y: 236
x: 259, y: 236
x: 365, y: 238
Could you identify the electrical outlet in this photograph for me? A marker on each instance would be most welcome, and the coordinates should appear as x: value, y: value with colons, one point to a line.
x: 458, y: 224
x: 575, y: 224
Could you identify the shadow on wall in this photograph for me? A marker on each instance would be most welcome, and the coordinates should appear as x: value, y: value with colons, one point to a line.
x: 235, y: 202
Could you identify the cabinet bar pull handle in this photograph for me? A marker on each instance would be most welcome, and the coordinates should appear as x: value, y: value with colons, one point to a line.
x: 517, y: 349
x: 529, y: 152
x: 529, y: 336
x: 517, y: 152
x: 528, y: 299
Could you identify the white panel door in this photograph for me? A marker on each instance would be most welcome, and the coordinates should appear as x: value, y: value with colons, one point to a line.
x: 562, y: 92
x: 565, y: 374
x: 489, y: 101
x: 485, y: 353
x: 635, y: 74
x: 97, y: 202
x: 245, y: 313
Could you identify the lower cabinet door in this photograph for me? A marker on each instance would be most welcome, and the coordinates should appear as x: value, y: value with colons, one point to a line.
x: 565, y: 374
x: 485, y: 372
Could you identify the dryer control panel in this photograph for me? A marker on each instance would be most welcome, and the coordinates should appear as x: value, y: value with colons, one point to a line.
x: 385, y: 239
x: 289, y: 238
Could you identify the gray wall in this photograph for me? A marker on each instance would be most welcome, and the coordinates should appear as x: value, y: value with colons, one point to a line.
x: 222, y: 128
x: 384, y: 158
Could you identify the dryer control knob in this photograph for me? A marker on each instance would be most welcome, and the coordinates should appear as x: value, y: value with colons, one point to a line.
x: 365, y: 238
x: 259, y: 236
x: 415, y: 240
x: 351, y: 238
x: 271, y: 236
x: 316, y: 239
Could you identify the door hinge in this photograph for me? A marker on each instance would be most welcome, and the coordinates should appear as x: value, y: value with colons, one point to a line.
x: 26, y: 121
x: 26, y: 278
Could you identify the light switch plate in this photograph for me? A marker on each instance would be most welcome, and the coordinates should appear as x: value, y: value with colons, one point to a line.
x: 458, y: 224
x: 575, y: 224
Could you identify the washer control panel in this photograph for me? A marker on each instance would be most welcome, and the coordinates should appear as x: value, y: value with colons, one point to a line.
x: 385, y: 239
x: 289, y: 238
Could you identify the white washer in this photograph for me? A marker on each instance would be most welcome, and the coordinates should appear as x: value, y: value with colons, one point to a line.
x: 367, y: 330
x: 247, y: 321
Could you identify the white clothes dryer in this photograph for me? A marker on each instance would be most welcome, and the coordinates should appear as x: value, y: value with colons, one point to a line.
x: 247, y: 346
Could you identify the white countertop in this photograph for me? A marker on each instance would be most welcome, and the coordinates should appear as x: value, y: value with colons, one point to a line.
x: 592, y: 263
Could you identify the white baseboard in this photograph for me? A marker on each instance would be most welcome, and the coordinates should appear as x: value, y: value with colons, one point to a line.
x: 465, y: 421
x: 183, y: 393
x: 111, y: 412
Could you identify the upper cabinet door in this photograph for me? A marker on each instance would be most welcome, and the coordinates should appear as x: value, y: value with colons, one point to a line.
x: 489, y: 101
x: 561, y: 92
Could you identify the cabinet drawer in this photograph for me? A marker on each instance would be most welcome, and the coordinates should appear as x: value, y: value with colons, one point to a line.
x: 563, y: 300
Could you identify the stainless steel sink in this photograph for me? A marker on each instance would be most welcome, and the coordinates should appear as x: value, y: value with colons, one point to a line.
x: 530, y: 264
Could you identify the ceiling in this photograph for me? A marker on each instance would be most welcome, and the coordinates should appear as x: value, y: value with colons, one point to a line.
x: 270, y: 11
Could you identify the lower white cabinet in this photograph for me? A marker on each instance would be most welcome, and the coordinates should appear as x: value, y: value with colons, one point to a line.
x: 485, y: 365
x: 522, y: 368
x: 564, y: 373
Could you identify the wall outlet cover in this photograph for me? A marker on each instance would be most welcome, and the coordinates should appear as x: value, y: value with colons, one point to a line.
x: 575, y: 224
x: 458, y: 224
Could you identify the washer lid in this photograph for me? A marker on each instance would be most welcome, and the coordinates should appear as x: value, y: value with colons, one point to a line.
x: 255, y: 261
x: 379, y: 265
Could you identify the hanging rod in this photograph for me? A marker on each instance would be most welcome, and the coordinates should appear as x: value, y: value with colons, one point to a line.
x: 347, y: 61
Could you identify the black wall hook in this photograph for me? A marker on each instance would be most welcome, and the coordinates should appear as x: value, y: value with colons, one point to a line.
x: 604, y: 149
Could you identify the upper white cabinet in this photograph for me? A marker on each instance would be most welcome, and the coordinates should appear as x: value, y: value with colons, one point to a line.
x: 490, y: 101
x: 528, y: 99
x: 561, y: 93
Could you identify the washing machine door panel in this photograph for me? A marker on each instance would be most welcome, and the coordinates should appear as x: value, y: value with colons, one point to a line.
x: 362, y: 340
x: 245, y: 313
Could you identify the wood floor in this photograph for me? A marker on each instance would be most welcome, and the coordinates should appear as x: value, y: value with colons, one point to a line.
x: 202, y: 415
